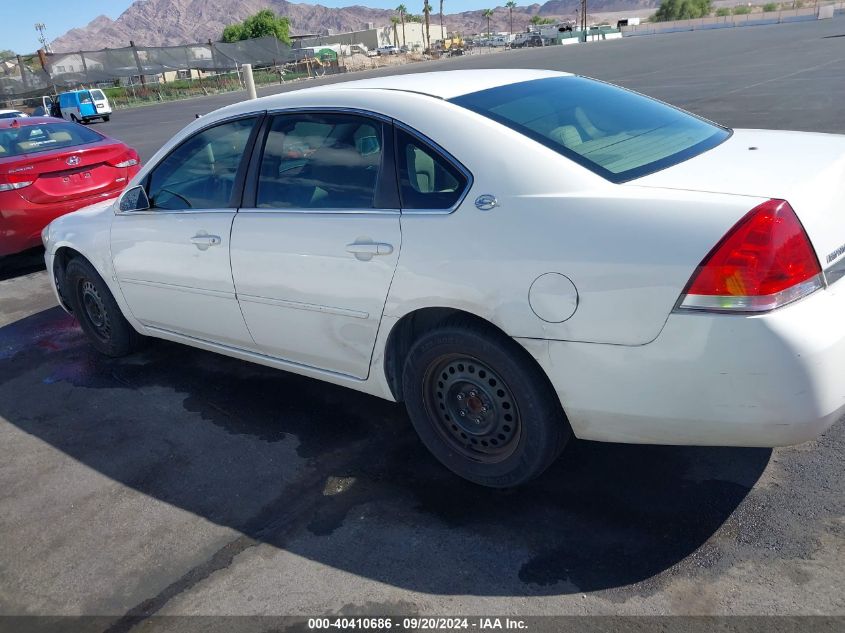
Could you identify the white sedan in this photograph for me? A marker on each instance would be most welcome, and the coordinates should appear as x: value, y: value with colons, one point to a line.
x: 519, y: 256
x: 12, y: 114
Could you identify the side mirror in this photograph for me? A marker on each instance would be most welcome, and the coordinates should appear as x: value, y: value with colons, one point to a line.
x: 134, y: 199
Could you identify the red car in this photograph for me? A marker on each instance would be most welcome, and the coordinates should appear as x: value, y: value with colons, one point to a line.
x: 49, y: 167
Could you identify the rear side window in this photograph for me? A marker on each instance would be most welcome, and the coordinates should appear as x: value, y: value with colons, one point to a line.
x: 43, y: 137
x: 85, y: 97
x: 427, y: 180
x: 614, y: 132
x: 320, y: 161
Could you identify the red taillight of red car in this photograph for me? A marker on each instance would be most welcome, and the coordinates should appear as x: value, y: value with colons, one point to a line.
x: 765, y: 261
x: 129, y: 159
x: 10, y: 182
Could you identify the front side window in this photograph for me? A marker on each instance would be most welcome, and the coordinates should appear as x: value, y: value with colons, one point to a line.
x: 427, y: 180
x: 200, y: 173
x: 320, y: 161
x: 614, y: 132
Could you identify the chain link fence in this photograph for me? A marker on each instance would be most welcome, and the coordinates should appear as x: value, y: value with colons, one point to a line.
x: 148, y: 71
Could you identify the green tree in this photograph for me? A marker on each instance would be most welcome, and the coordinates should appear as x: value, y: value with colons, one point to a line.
x: 770, y: 6
x: 723, y: 11
x: 6, y: 53
x: 427, y: 14
x: 682, y: 10
x: 538, y: 19
x: 511, y: 5
x: 402, y: 10
x: 262, y: 24
x: 742, y: 10
x: 488, y: 13
x: 395, y: 22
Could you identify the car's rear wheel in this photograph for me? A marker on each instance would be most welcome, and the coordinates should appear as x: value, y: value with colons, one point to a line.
x: 97, y: 311
x: 482, y: 405
x: 106, y: 118
x: 73, y: 118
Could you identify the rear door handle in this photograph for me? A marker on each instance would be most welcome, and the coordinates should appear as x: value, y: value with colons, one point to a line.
x: 365, y: 251
x: 203, y: 240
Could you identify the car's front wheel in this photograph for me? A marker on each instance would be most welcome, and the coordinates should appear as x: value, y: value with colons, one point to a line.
x: 97, y: 311
x: 482, y: 405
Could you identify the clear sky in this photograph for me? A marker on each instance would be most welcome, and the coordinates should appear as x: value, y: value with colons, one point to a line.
x: 17, y: 26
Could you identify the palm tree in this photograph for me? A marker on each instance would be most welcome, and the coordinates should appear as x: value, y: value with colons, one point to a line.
x: 511, y: 5
x: 488, y: 13
x: 403, y: 10
x: 395, y: 22
x: 427, y: 13
x: 442, y: 32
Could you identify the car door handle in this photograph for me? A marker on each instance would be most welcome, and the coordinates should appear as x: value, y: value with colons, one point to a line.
x: 366, y: 250
x: 202, y: 240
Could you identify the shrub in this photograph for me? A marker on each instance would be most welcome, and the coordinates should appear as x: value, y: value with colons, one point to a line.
x: 742, y: 10
x: 723, y: 11
x: 770, y: 6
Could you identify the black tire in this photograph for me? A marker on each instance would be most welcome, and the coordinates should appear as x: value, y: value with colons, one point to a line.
x: 512, y: 426
x: 106, y: 118
x: 97, y: 312
x: 73, y: 118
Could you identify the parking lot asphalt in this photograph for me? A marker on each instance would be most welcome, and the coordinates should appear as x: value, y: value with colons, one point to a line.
x: 789, y: 76
x: 175, y: 481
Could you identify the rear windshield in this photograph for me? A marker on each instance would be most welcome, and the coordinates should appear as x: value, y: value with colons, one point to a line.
x: 618, y: 134
x: 29, y: 139
x: 98, y: 95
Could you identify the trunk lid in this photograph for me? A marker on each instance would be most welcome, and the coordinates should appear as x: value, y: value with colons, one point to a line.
x: 76, y: 172
x: 805, y: 169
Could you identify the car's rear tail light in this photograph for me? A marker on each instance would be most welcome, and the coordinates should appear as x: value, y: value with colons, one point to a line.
x: 130, y: 159
x: 10, y: 186
x: 765, y: 261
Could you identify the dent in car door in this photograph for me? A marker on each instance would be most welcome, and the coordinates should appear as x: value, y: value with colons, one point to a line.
x: 314, y: 255
x: 172, y: 261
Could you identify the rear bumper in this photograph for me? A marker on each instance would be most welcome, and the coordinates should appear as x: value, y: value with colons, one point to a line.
x: 21, y: 221
x: 710, y: 379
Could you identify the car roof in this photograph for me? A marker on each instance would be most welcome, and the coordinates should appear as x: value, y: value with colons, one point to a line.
x: 446, y: 84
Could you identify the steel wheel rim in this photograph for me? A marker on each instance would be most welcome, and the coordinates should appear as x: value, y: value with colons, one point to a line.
x: 95, y: 310
x: 472, y: 408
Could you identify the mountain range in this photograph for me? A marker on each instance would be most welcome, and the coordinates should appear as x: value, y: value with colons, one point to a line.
x: 173, y: 22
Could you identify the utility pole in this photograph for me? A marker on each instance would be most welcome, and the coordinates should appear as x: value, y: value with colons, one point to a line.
x: 41, y: 27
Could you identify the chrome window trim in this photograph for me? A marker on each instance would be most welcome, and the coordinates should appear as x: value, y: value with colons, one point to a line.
x: 450, y: 159
x: 298, y: 211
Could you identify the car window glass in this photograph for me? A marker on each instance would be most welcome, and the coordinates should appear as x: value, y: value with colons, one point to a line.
x: 426, y: 179
x: 98, y: 95
x: 85, y: 97
x: 43, y: 137
x: 326, y: 161
x: 200, y: 173
x: 616, y: 133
